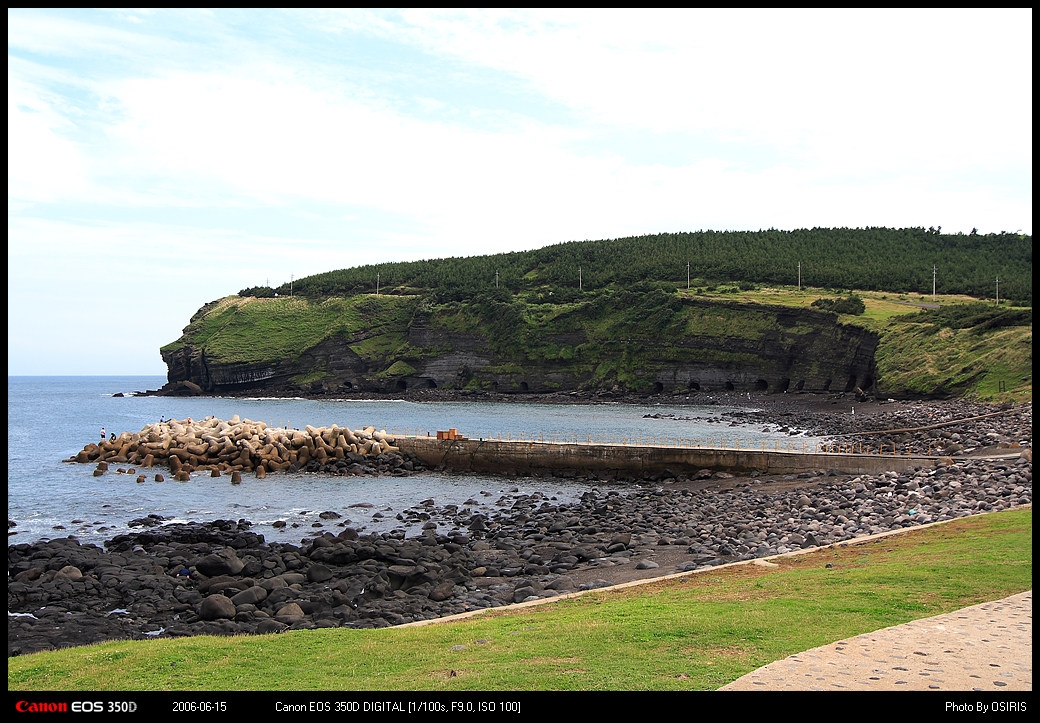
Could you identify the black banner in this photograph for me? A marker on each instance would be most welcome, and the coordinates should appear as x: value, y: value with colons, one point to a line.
x: 514, y: 706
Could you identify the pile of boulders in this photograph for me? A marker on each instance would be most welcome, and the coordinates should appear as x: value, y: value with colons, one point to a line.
x: 236, y: 446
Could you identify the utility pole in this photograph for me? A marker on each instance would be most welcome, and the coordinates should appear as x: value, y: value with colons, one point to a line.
x: 290, y: 285
x: 933, y: 281
x: 998, y: 291
x: 687, y: 275
x: 579, y: 278
x: 799, y: 275
x: 377, y: 283
x: 496, y: 279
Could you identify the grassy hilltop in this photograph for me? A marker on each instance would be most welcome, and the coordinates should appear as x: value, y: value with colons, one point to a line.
x: 626, y: 313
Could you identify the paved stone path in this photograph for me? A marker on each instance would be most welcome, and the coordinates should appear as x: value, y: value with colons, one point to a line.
x: 987, y: 647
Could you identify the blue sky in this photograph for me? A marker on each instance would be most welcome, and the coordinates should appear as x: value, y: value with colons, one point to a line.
x: 161, y: 159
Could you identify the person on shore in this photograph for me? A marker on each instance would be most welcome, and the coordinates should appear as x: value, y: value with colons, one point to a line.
x: 103, y: 435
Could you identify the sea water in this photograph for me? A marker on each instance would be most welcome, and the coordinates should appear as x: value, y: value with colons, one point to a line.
x: 50, y: 419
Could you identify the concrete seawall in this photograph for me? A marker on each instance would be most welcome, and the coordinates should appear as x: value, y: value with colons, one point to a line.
x: 501, y: 456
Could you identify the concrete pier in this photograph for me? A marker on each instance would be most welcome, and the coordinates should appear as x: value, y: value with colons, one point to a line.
x: 496, y: 456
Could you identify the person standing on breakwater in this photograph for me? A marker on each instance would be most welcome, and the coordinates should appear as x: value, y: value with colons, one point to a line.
x: 102, y: 434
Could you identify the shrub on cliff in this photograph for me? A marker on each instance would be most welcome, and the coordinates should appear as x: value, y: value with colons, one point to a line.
x: 851, y: 304
x: 260, y: 292
x: 979, y: 317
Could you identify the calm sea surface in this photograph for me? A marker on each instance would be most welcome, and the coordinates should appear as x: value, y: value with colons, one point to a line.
x: 50, y: 419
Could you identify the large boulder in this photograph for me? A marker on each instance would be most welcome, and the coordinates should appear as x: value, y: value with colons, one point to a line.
x: 442, y: 591
x: 289, y: 613
x: 252, y: 596
x: 217, y: 607
x: 224, y: 562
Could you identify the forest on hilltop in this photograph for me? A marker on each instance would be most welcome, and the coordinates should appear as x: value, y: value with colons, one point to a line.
x: 876, y: 259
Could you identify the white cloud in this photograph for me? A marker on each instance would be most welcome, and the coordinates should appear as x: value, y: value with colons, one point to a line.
x: 47, y: 33
x: 43, y: 164
x: 177, y: 156
x: 904, y: 86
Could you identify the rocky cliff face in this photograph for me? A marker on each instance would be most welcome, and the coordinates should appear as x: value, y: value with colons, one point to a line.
x: 681, y: 346
x: 189, y: 367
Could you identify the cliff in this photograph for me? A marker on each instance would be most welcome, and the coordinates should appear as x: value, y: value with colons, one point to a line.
x: 651, y: 342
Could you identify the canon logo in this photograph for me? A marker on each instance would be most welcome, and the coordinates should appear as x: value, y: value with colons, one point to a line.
x: 44, y: 706
x: 50, y: 706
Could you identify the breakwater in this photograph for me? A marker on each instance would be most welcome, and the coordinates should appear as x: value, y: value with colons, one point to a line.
x: 497, y: 456
x: 237, y: 445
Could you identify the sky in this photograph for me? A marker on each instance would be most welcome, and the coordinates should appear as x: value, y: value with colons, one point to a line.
x: 161, y: 159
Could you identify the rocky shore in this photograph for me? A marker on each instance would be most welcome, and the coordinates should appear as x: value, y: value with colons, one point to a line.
x: 951, y: 428
x: 222, y: 578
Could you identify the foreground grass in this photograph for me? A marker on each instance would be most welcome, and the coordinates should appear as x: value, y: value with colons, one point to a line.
x: 697, y: 632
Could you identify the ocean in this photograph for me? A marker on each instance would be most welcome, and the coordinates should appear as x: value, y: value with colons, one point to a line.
x: 50, y: 419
